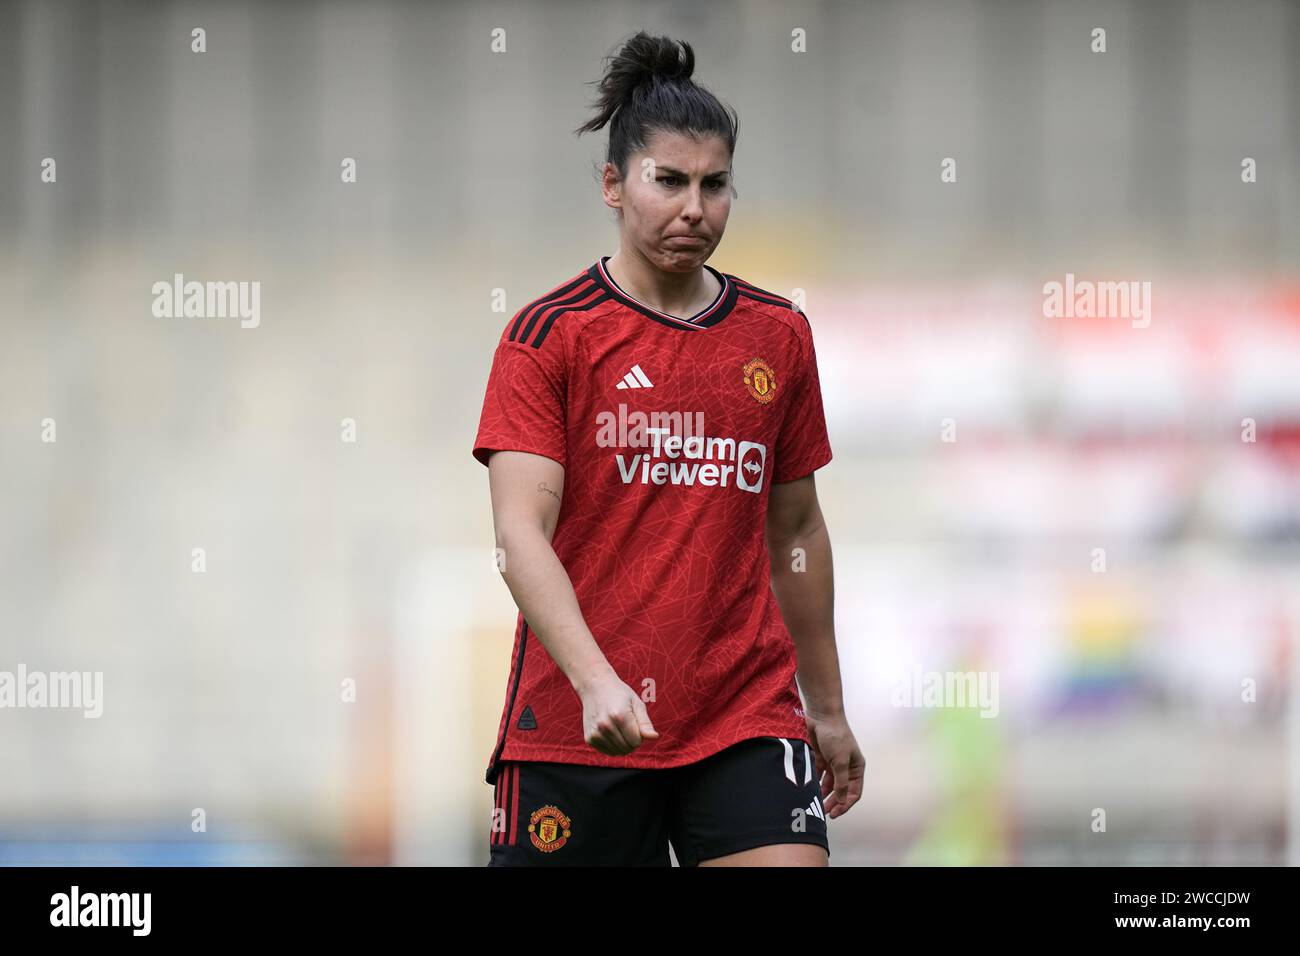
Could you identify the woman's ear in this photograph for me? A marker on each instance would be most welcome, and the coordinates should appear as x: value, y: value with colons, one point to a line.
x: 611, y: 186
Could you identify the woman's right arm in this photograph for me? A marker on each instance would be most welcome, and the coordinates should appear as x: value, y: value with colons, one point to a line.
x: 526, y: 491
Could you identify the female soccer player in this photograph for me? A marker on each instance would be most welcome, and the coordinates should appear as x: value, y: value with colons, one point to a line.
x: 651, y: 428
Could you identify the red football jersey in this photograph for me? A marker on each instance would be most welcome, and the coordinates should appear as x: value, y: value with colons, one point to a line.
x: 671, y: 432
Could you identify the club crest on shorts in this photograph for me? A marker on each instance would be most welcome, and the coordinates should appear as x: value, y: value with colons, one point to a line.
x: 548, y: 828
x: 760, y: 380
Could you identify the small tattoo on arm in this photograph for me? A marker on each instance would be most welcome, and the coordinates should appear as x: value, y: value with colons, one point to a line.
x: 541, y: 486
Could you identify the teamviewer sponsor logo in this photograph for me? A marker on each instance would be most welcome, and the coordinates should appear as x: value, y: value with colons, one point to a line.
x: 671, y: 448
x: 672, y: 460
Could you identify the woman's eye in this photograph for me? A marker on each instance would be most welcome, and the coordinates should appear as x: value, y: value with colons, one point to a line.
x: 673, y: 180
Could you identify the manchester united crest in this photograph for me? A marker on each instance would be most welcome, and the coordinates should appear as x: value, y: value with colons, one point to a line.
x: 760, y: 380
x: 548, y: 828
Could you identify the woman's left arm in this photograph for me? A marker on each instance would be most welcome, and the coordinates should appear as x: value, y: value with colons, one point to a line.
x: 799, y: 552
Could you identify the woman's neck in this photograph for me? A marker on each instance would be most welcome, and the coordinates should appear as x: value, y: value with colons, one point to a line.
x: 681, y: 294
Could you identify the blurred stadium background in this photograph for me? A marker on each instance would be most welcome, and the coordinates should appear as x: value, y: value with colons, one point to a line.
x: 371, y: 561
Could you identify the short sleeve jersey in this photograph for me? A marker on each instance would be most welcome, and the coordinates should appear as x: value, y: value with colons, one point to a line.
x: 671, y: 432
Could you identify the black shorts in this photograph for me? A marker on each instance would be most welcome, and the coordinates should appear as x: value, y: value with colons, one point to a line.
x: 754, y: 793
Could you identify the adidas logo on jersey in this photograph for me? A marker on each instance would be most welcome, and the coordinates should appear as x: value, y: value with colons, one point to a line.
x: 635, y: 379
x: 815, y: 808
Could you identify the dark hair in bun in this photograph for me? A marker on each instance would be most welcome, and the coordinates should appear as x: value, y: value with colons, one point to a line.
x: 647, y: 87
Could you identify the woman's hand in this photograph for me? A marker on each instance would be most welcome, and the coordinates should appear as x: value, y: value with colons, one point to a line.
x: 614, y: 718
x: 840, y: 764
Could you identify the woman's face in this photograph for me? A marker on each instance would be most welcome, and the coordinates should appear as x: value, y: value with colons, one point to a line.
x: 676, y: 187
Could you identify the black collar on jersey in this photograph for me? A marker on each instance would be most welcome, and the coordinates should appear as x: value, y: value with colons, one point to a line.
x: 712, y: 315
